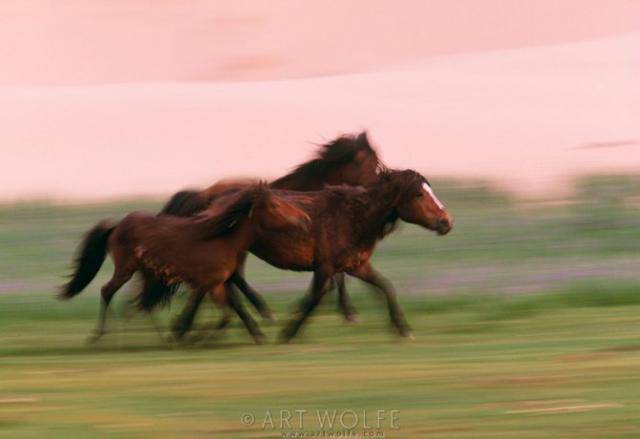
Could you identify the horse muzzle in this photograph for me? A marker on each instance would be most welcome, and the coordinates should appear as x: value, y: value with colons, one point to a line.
x: 444, y: 225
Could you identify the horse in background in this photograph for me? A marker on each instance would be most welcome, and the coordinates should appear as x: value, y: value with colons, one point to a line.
x: 347, y: 160
x: 202, y: 251
x: 346, y: 224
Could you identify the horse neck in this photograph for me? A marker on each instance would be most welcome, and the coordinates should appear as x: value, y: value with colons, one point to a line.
x: 376, y: 211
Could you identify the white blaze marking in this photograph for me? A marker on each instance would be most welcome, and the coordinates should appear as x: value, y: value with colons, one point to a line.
x: 427, y: 188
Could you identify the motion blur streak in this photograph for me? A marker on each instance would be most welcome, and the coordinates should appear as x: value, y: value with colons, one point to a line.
x: 522, y: 115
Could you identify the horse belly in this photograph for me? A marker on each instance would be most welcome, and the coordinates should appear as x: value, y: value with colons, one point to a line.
x: 286, y: 252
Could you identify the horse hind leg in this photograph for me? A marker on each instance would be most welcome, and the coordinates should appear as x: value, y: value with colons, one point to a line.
x: 225, y: 320
x: 252, y: 295
x: 236, y: 304
x: 119, y: 278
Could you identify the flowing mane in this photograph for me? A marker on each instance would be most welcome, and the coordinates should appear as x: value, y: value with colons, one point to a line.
x: 406, y: 181
x: 349, y: 159
x: 217, y: 223
x: 338, y: 152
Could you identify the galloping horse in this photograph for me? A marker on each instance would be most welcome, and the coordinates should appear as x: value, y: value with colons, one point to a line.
x: 202, y: 251
x: 349, y: 160
x: 347, y: 223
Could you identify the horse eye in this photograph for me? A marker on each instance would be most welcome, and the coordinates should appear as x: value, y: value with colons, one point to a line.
x: 420, y: 194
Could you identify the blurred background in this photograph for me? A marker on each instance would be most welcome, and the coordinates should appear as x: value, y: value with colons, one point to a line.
x: 523, y: 115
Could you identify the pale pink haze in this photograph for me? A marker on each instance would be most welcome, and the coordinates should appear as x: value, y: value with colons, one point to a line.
x: 102, y: 99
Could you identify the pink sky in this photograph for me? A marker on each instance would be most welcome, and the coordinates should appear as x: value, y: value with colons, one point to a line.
x: 101, y: 99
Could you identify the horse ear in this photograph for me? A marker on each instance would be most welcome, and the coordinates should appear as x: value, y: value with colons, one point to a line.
x: 363, y: 140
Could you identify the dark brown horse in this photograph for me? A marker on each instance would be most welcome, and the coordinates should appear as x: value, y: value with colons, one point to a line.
x: 347, y: 223
x: 202, y: 251
x: 349, y: 160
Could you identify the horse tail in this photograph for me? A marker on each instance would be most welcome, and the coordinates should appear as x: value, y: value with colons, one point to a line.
x: 154, y: 293
x: 184, y: 203
x: 91, y: 254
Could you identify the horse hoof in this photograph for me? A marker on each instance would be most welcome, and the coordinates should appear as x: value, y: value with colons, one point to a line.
x: 194, y: 338
x: 352, y: 319
x: 224, y: 324
x: 260, y: 339
x: 269, y: 318
x: 408, y: 335
x: 284, y: 338
x: 95, y: 337
x: 178, y: 335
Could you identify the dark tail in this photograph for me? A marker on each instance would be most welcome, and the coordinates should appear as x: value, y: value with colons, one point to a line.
x: 184, y: 203
x: 91, y: 254
x: 155, y: 293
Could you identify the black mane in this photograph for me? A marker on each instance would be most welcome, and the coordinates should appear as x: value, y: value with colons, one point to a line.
x: 392, y: 187
x: 219, y: 224
x: 335, y: 153
x: 406, y: 181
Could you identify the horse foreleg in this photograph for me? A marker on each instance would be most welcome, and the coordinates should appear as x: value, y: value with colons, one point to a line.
x: 369, y: 275
x: 319, y: 286
x: 184, y: 322
x: 344, y: 301
x: 251, y: 294
x: 225, y: 320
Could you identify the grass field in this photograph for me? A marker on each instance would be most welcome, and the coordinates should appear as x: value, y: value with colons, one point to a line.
x: 527, y: 324
x: 497, y: 367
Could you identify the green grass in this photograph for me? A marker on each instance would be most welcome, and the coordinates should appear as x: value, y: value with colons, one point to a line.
x: 550, y: 364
